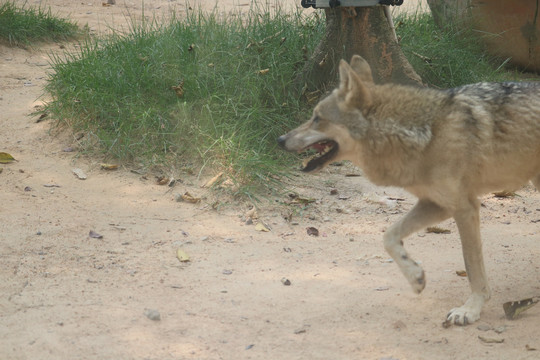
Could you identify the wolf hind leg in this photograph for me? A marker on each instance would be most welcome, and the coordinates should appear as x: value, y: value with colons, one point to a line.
x: 423, y: 214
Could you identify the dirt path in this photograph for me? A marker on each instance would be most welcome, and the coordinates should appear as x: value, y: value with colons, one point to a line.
x: 65, y: 295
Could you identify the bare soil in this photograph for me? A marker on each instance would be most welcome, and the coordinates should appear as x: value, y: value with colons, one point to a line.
x: 66, y: 295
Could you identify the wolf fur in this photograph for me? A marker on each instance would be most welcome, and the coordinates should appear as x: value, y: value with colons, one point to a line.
x: 446, y: 147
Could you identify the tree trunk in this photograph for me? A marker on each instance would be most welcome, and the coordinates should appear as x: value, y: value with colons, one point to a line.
x: 364, y: 31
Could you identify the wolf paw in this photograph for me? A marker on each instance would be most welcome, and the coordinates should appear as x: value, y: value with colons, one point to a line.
x: 468, y: 313
x: 462, y: 315
x: 416, y: 277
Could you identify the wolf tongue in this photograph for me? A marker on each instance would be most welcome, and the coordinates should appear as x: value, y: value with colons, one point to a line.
x: 320, y: 147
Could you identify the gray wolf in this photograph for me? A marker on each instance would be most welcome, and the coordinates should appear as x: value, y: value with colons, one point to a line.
x: 446, y: 147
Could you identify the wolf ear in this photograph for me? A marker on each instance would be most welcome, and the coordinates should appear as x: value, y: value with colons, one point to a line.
x: 362, y: 68
x: 352, y: 88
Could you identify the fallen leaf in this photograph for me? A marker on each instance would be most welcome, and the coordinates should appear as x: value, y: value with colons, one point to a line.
x: 513, y: 308
x: 505, y: 194
x: 437, y: 230
x: 163, y: 180
x: 213, y: 180
x: 109, y: 166
x: 6, y: 158
x: 182, y: 256
x: 529, y: 348
x: 261, y: 227
x: 179, y: 89
x: 312, y: 231
x: 296, y: 199
x: 490, y: 340
x: 41, y: 117
x: 462, y: 273
x: 95, y: 235
x: 187, y: 197
x: 252, y: 213
x: 79, y: 173
x: 263, y: 71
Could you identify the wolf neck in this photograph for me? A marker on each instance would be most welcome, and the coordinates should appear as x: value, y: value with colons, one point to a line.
x: 398, y: 130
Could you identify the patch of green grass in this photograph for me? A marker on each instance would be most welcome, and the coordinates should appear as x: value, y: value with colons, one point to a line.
x: 21, y: 25
x: 236, y: 76
x: 447, y: 58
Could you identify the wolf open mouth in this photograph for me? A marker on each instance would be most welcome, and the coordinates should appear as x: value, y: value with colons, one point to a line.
x: 326, y: 150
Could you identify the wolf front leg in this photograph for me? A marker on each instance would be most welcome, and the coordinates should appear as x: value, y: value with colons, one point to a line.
x: 468, y: 222
x: 423, y: 214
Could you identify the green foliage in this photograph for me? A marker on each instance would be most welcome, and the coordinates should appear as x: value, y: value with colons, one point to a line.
x: 236, y: 76
x: 21, y: 25
x: 447, y: 58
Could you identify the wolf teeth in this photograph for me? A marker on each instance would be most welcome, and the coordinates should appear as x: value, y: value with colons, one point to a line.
x: 318, y: 154
x: 326, y: 149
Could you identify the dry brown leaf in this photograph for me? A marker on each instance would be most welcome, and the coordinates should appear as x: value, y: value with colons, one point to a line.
x: 505, y: 194
x: 312, y: 231
x: 490, y: 340
x: 300, y: 200
x: 109, y: 166
x: 437, y: 230
x: 187, y: 197
x: 263, y: 71
x: 213, y: 180
x: 163, y: 180
x: 179, y: 89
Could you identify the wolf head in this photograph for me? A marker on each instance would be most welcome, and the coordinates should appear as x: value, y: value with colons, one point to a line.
x: 336, y: 120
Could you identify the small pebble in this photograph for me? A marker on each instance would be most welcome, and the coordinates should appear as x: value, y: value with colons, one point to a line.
x: 152, y: 314
x: 483, y: 327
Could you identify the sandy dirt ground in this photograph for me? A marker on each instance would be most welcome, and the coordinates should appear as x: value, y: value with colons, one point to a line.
x: 66, y: 295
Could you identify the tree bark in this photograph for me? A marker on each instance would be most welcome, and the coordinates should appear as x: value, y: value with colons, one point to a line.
x: 364, y: 31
